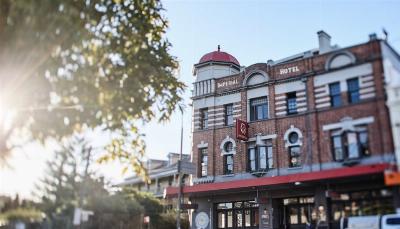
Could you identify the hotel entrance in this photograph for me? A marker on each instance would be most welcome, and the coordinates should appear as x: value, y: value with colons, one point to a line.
x: 235, y: 215
x: 295, y: 213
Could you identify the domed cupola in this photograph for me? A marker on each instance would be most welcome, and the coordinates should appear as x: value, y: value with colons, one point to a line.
x: 218, y: 57
x: 216, y: 64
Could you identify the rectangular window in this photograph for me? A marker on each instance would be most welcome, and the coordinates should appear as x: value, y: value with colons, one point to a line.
x: 228, y: 114
x: 337, y: 147
x: 291, y: 103
x: 294, y: 156
x: 228, y: 161
x: 247, y: 218
x: 204, y: 119
x: 252, y: 159
x: 270, y: 159
x: 334, y: 93
x: 221, y: 219
x: 353, y: 150
x: 260, y: 158
x: 258, y: 108
x: 229, y: 220
x: 203, y: 161
x: 353, y: 90
x: 350, y: 145
x: 239, y: 218
x: 363, y: 139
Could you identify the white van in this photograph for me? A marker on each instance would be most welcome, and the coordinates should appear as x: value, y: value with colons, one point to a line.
x: 371, y: 222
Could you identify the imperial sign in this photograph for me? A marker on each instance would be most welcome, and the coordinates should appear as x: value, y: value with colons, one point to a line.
x: 242, y: 130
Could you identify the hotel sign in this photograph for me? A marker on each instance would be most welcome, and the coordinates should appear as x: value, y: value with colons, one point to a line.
x: 284, y: 71
x: 242, y: 130
x: 227, y: 83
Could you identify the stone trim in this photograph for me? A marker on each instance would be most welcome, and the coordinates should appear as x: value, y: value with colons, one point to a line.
x: 202, y: 145
x: 348, y: 123
x: 228, y: 139
x: 286, y: 137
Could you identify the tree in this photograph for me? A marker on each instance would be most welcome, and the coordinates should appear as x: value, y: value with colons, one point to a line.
x: 74, y: 65
x: 160, y: 218
x: 69, y: 180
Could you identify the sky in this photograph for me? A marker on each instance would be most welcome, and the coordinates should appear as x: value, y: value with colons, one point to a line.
x: 252, y: 31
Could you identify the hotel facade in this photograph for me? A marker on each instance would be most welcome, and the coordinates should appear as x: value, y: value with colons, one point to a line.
x: 302, y: 140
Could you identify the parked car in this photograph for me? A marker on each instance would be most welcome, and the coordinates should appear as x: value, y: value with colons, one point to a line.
x: 371, y: 222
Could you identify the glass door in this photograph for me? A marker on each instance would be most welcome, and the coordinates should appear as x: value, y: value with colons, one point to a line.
x: 296, y: 212
x: 237, y: 215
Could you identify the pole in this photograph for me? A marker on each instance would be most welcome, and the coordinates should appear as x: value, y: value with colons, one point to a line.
x: 178, y: 216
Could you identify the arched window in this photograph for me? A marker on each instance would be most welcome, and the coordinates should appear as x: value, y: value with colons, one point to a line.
x: 228, y: 147
x: 228, y: 150
x: 293, y: 142
x: 228, y: 164
x: 203, y: 162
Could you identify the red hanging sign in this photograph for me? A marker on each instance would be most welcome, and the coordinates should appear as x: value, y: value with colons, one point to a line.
x: 242, y: 130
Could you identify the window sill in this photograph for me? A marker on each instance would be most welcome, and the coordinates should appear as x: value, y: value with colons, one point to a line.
x: 228, y: 175
x: 351, y: 162
x: 259, y: 120
x: 259, y: 173
x: 295, y: 168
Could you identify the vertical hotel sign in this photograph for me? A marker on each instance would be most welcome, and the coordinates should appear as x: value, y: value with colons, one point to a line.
x: 242, y: 130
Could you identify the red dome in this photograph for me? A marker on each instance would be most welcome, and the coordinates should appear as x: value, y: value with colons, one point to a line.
x: 219, y: 57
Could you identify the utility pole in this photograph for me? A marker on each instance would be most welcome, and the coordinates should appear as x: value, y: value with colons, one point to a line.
x: 178, y: 216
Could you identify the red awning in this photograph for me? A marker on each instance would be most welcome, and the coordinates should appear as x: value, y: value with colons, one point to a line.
x: 279, y: 180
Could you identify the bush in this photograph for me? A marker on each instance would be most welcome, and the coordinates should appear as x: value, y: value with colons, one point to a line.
x: 26, y: 215
x: 168, y: 221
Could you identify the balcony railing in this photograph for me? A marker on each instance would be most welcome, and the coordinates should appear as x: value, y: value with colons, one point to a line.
x: 204, y: 87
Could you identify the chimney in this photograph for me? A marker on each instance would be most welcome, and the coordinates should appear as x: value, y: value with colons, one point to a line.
x: 324, y: 42
x: 373, y: 37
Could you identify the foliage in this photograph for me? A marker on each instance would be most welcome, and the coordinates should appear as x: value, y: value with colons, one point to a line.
x: 72, y: 65
x: 152, y: 206
x: 167, y: 220
x: 117, y: 204
x: 159, y: 217
x: 22, y: 214
x: 114, y: 210
x: 7, y: 203
x: 69, y: 181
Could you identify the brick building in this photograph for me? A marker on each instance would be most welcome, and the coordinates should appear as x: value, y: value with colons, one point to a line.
x: 319, y: 138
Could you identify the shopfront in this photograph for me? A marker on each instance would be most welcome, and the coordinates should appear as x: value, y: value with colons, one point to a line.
x: 239, y: 214
x: 360, y: 203
x: 296, y: 212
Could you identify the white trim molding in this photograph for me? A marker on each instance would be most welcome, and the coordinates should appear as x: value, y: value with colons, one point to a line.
x: 286, y: 137
x: 351, y: 59
x: 253, y: 73
x: 227, y: 139
x: 262, y: 137
x: 348, y: 123
x: 202, y: 145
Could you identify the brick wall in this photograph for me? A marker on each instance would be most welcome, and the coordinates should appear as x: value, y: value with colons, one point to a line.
x: 316, y: 147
